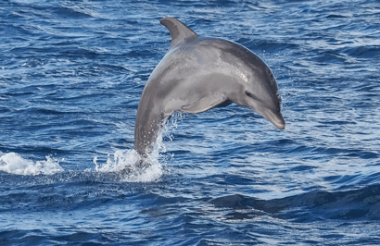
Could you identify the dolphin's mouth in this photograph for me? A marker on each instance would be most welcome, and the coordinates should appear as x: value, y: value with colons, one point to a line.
x: 275, y: 117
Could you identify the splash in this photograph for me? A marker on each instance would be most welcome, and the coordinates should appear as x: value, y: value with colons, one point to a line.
x: 133, y: 168
x: 15, y: 164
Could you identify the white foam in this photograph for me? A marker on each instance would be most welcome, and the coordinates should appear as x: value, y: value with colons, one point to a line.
x: 126, y: 162
x: 15, y: 164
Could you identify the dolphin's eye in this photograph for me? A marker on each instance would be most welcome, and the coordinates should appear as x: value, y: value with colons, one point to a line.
x: 251, y: 95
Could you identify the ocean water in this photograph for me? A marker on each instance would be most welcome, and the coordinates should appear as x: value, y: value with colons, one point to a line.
x: 71, y: 76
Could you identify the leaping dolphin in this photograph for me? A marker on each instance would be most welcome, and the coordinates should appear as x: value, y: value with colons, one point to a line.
x: 199, y: 73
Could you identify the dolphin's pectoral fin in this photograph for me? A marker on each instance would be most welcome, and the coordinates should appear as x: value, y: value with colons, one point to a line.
x: 204, y: 104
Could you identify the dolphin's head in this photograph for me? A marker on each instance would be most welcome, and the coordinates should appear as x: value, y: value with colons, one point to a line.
x: 259, y: 92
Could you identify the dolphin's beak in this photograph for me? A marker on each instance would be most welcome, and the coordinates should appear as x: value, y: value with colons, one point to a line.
x: 275, y: 117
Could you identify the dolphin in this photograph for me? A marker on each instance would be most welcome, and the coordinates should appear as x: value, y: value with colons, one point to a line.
x: 200, y: 73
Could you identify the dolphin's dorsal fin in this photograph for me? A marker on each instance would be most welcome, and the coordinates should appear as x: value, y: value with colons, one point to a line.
x: 179, y: 31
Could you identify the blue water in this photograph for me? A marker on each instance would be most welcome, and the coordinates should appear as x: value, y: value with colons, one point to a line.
x: 71, y: 76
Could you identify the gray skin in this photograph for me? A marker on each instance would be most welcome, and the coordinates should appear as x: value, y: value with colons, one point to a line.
x: 198, y: 74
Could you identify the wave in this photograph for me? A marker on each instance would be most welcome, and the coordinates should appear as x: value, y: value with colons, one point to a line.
x: 362, y: 51
x: 362, y: 203
x: 124, y: 165
x: 14, y: 164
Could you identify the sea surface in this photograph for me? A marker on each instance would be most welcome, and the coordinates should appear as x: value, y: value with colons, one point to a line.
x: 71, y: 77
